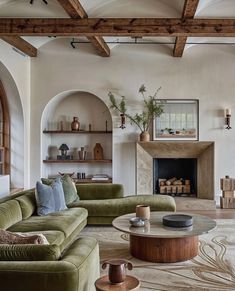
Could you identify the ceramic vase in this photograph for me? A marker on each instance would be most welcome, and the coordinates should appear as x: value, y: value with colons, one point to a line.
x: 143, y: 211
x: 82, y: 154
x: 144, y: 136
x: 117, y: 270
x: 75, y: 125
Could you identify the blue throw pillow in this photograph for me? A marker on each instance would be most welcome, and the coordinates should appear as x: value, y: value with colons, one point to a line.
x: 58, y: 194
x: 50, y: 198
x: 45, y: 199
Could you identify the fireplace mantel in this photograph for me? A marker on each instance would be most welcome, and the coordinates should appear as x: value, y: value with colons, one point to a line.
x: 202, y: 150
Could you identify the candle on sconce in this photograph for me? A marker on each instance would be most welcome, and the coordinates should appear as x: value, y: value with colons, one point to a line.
x: 228, y: 112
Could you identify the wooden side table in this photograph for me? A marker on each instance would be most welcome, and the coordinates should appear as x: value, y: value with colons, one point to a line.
x: 130, y: 284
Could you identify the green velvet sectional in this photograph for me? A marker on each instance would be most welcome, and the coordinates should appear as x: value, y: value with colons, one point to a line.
x: 69, y: 262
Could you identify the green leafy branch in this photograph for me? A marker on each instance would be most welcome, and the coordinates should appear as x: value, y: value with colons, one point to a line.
x: 141, y: 120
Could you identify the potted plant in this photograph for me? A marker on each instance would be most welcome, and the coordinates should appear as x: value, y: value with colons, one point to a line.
x: 142, y: 120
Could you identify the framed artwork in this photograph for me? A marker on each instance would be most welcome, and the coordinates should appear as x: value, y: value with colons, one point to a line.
x: 179, y: 121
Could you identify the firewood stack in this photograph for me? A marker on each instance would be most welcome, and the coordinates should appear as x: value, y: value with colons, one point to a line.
x: 227, y: 185
x: 174, y: 186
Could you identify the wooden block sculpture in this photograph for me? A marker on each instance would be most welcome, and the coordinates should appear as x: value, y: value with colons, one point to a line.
x: 227, y: 185
x: 98, y: 152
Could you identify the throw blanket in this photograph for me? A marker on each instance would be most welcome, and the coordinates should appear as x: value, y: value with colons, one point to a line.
x: 7, y: 237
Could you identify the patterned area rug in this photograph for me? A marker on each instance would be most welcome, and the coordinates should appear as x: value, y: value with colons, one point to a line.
x: 213, y: 269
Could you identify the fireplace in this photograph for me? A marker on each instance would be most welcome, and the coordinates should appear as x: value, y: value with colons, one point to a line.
x: 200, y: 153
x: 175, y: 177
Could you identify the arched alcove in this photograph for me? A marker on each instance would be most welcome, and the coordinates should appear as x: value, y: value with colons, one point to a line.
x: 95, y: 127
x: 16, y: 150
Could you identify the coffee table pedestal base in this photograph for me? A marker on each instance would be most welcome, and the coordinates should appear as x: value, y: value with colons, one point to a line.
x: 163, y: 250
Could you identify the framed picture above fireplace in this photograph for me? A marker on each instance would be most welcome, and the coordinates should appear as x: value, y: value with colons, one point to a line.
x: 179, y: 121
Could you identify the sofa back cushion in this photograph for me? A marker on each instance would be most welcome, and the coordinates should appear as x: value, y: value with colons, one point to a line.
x: 29, y: 252
x: 99, y: 191
x: 10, y: 213
x: 28, y: 204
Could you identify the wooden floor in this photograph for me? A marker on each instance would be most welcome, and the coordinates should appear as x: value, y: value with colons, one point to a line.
x: 218, y: 213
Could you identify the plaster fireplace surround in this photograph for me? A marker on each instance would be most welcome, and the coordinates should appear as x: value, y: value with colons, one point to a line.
x: 203, y: 151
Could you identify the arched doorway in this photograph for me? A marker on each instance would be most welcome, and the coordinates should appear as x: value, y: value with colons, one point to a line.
x: 4, y: 133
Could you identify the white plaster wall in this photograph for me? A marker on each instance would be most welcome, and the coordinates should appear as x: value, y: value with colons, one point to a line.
x: 205, y: 73
x: 15, y: 75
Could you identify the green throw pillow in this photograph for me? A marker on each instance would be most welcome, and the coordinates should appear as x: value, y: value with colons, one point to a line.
x: 70, y: 191
x: 29, y: 252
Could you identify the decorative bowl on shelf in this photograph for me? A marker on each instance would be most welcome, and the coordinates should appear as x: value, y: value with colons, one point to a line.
x: 137, y: 221
x: 63, y: 174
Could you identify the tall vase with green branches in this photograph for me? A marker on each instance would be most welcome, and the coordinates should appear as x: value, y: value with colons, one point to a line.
x: 144, y: 119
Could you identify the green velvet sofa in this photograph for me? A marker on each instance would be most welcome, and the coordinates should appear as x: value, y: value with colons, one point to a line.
x: 68, y: 263
x: 104, y: 202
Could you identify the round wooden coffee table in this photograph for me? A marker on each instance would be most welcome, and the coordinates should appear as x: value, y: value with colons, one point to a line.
x: 131, y: 283
x: 158, y: 243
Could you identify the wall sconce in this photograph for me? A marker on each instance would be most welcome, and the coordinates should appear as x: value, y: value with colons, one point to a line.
x: 227, y: 118
x: 123, y: 121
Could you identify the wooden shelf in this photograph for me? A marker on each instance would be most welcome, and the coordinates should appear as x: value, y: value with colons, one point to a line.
x: 106, y: 161
x: 89, y: 181
x: 76, y: 132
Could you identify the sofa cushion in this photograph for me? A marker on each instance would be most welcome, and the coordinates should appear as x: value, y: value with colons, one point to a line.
x: 45, y: 199
x: 65, y: 221
x: 29, y: 252
x: 50, y: 198
x: 120, y: 206
x: 70, y: 191
x: 10, y: 213
x: 99, y: 191
x: 28, y: 204
x: 58, y: 194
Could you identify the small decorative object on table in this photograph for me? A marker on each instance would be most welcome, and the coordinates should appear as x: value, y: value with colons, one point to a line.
x: 117, y: 270
x: 75, y: 125
x: 137, y: 221
x: 177, y: 220
x: 98, y: 152
x: 143, y: 211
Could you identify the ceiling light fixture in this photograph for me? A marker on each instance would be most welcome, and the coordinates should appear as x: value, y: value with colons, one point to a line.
x: 31, y: 1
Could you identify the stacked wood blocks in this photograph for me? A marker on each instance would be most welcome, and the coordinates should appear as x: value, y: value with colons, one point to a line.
x: 174, y: 186
x: 227, y: 185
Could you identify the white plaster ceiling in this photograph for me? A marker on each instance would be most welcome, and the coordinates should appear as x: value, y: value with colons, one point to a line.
x: 122, y: 8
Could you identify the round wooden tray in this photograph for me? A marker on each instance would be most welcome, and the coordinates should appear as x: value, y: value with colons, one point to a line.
x: 177, y: 220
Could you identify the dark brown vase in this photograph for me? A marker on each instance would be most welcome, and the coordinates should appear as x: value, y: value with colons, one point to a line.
x: 75, y: 125
x: 117, y: 270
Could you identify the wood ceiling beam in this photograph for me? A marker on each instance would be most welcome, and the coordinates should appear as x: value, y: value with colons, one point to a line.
x: 20, y: 44
x: 190, y: 7
x: 75, y: 10
x: 165, y: 27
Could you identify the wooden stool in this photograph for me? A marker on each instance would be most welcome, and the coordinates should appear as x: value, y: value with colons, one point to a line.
x: 131, y: 283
